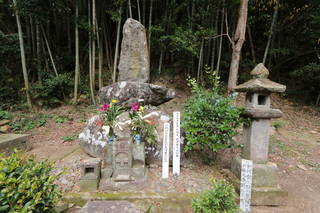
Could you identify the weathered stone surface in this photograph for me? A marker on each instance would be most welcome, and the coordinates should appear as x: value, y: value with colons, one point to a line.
x: 260, y: 71
x: 4, y: 122
x: 93, y: 139
x: 10, y: 141
x: 129, y: 92
x: 260, y: 85
x: 88, y: 185
x: 134, y: 62
x: 263, y: 175
x: 262, y: 113
x: 256, y: 141
x: 5, y: 129
x: 109, y: 206
x: 268, y: 196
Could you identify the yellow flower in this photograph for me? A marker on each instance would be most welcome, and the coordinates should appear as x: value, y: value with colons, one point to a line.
x: 141, y: 108
x: 114, y: 101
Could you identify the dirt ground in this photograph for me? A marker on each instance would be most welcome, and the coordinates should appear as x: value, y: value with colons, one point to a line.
x: 294, y: 147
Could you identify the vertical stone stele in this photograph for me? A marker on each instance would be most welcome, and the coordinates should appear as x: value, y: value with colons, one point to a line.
x: 265, y: 187
x: 134, y: 64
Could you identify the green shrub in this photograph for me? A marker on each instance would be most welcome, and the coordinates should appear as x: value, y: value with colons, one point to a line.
x: 210, y: 120
x: 220, y: 199
x: 27, y: 185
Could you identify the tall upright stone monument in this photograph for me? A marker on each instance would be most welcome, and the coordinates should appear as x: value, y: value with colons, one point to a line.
x: 134, y: 62
x: 265, y: 187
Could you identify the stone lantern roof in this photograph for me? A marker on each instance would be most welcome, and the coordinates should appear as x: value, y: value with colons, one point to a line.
x: 260, y: 82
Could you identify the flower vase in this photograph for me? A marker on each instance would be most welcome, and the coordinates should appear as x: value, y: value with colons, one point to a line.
x: 137, y: 139
x: 110, y: 139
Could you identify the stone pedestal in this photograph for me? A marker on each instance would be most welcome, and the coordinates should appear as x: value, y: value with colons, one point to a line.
x: 90, y: 175
x: 265, y: 187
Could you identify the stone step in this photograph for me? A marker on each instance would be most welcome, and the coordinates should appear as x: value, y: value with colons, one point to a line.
x: 142, y: 201
x: 8, y: 142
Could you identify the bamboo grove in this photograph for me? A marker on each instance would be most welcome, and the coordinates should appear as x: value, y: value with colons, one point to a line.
x: 58, y: 50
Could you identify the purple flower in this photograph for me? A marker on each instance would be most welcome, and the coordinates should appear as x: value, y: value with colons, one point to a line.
x: 135, y: 107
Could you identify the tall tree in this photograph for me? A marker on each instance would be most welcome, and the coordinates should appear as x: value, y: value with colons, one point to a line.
x: 77, y: 63
x: 23, y: 56
x: 237, y: 43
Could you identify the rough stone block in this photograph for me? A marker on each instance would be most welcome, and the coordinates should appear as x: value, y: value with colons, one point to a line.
x: 10, y: 141
x: 264, y: 175
x: 268, y: 196
x: 138, y: 152
x: 89, y: 185
x: 139, y: 172
x: 90, y: 169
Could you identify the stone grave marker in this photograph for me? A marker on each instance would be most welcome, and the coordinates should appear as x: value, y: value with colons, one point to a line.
x: 246, y: 183
x: 165, y: 150
x: 134, y: 62
x: 176, y: 143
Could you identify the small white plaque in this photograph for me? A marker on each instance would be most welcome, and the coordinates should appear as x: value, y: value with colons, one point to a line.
x: 165, y: 150
x: 176, y: 143
x: 246, y: 184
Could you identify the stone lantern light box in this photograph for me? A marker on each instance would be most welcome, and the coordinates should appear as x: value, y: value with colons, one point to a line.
x: 265, y: 189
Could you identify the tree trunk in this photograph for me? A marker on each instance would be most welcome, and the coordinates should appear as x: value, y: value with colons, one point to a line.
x: 213, y: 52
x: 239, y: 39
x: 149, y: 31
x: 274, y: 19
x: 115, y: 64
x: 23, y: 57
x: 38, y: 54
x: 221, y: 39
x: 77, y: 64
x: 251, y: 44
x: 139, y: 15
x: 130, y: 10
x: 200, y: 60
x: 49, y: 51
x: 90, y: 55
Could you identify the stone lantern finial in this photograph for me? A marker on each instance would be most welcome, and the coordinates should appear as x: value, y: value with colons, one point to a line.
x: 260, y: 71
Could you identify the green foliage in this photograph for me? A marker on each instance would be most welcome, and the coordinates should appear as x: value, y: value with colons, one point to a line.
x: 210, y: 120
x: 278, y: 124
x: 109, y: 113
x: 140, y: 126
x: 60, y: 119
x: 309, y: 78
x: 27, y: 185
x: 220, y: 199
x: 5, y: 115
x: 50, y: 92
x: 25, y: 123
x: 68, y: 138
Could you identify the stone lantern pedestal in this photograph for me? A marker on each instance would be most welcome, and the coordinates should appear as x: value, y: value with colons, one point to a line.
x: 265, y: 187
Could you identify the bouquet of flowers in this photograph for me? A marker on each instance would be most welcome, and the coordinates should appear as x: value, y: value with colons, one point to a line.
x: 109, y: 114
x: 140, y: 129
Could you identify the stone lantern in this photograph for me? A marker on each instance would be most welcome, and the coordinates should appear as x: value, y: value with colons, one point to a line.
x: 265, y: 187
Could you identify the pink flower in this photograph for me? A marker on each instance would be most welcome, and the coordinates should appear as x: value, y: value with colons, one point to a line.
x: 135, y: 107
x: 104, y: 107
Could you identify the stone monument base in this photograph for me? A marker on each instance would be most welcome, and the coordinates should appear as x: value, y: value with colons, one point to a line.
x: 265, y: 185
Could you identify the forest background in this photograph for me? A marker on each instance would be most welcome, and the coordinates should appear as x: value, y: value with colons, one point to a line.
x: 67, y: 49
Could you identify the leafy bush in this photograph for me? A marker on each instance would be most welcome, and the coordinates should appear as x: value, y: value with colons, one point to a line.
x: 210, y: 120
x: 25, y: 123
x: 27, y: 185
x: 52, y: 90
x: 220, y: 199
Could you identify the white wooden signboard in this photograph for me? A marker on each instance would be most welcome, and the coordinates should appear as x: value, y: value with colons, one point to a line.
x: 165, y: 150
x: 246, y: 184
x: 176, y: 143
